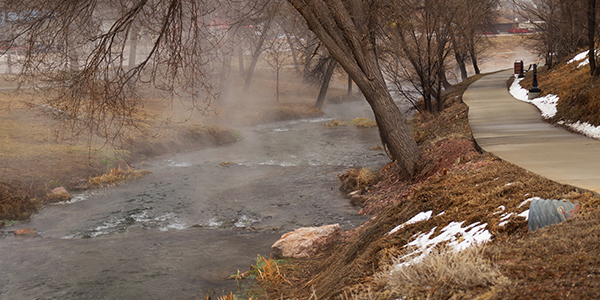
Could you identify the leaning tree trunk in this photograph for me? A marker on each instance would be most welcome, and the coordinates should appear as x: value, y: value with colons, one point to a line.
x: 394, y: 130
x: 325, y: 83
x: 346, y: 29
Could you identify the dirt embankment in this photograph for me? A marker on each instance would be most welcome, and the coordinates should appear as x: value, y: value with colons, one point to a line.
x: 459, y: 187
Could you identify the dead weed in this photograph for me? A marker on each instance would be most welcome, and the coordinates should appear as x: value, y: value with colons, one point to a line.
x: 363, y: 123
x: 116, y: 176
x: 357, y: 179
x: 442, y: 274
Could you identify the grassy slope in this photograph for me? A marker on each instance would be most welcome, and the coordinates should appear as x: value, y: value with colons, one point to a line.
x: 557, y: 261
x: 579, y: 92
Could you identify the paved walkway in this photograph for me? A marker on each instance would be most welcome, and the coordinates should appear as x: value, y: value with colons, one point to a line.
x: 514, y: 131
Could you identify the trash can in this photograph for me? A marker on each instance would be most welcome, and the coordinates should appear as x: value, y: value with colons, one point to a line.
x: 518, y: 66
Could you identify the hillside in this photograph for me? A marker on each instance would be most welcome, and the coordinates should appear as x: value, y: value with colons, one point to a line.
x: 462, y: 197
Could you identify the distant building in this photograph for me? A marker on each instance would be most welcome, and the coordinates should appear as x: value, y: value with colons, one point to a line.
x: 503, y: 25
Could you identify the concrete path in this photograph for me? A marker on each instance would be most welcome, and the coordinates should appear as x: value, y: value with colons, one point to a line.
x: 514, y: 131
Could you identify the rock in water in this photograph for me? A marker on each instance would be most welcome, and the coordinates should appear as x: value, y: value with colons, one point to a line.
x: 25, y: 231
x: 59, y: 194
x: 547, y: 212
x: 306, y: 241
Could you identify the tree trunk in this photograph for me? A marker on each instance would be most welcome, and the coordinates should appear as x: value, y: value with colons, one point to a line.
x: 277, y: 86
x: 594, y: 71
x: 256, y: 54
x: 460, y: 60
x: 325, y: 83
x: 474, y: 60
x: 241, y: 59
x: 224, y: 77
x: 133, y: 41
x: 345, y: 29
x: 394, y: 131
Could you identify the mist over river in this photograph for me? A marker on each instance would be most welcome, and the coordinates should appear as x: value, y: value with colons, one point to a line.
x: 198, y: 218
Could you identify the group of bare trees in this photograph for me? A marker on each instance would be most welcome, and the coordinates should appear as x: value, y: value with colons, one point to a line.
x: 78, y: 48
x: 424, y: 34
x: 563, y: 27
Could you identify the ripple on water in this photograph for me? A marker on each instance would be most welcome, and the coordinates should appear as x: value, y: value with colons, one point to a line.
x: 173, y: 163
x: 137, y: 217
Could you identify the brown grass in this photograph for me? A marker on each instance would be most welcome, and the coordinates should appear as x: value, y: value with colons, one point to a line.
x: 116, y: 176
x: 357, y: 179
x: 442, y: 274
x: 363, y: 123
x: 467, y: 186
x: 36, y: 149
x: 579, y: 93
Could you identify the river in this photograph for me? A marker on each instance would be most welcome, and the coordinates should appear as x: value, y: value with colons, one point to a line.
x: 181, y: 231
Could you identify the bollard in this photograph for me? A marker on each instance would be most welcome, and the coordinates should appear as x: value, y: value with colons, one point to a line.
x: 535, y: 91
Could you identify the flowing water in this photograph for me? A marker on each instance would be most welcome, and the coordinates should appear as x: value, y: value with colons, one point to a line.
x: 179, y: 232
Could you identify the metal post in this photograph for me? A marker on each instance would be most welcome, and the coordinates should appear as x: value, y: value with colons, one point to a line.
x: 534, y: 85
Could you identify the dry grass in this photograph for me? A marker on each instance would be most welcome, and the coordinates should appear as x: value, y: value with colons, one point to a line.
x: 116, y: 176
x: 336, y: 123
x: 268, y: 272
x: 443, y: 273
x: 579, y: 92
x: 363, y: 123
x: 357, y: 179
x: 15, y: 202
x: 467, y: 186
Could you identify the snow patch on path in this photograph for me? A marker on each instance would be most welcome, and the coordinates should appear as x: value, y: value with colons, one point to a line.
x: 547, y: 106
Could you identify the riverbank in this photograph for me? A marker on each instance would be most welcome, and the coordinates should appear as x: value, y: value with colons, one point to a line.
x: 38, y: 152
x: 462, y: 198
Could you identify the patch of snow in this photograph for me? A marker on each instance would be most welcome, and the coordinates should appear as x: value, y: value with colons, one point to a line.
x: 470, y: 235
x: 517, y: 91
x: 503, y: 223
x: 527, y: 201
x: 440, y: 214
x: 506, y: 216
x: 583, y: 63
x: 501, y: 208
x: 525, y: 214
x: 584, y: 128
x: 579, y: 57
x: 422, y: 216
x: 546, y: 104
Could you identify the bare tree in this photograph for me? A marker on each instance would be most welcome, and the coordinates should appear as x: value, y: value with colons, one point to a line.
x: 325, y: 83
x: 277, y: 49
x: 422, y: 30
x: 563, y: 27
x: 76, y: 53
x: 348, y: 29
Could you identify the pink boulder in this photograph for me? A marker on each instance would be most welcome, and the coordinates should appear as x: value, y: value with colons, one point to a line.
x: 306, y: 241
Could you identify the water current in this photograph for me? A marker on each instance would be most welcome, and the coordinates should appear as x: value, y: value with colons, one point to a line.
x: 181, y: 231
